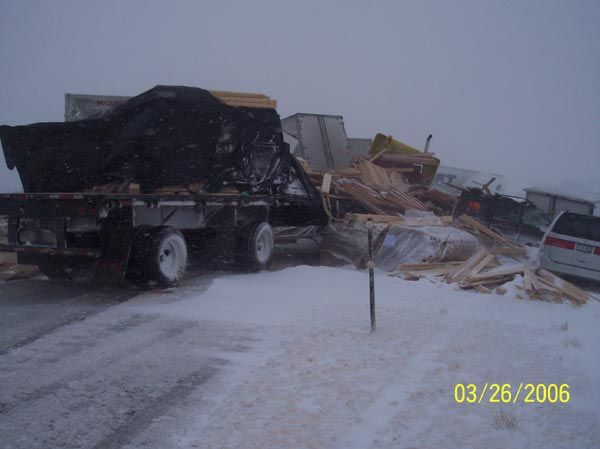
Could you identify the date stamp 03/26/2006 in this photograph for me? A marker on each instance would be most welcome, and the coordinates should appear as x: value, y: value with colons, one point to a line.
x: 526, y: 393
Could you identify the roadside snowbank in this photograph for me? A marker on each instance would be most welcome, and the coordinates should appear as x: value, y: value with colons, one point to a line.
x: 318, y: 379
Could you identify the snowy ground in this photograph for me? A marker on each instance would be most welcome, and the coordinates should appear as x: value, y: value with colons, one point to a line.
x: 285, y: 360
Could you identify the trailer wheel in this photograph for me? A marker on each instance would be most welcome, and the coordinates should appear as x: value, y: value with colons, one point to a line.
x: 161, y: 256
x: 256, y: 247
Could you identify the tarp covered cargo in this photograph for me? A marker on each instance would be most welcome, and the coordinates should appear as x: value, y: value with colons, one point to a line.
x: 168, y: 135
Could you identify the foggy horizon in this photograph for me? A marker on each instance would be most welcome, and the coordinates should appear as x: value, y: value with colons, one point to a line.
x: 511, y: 88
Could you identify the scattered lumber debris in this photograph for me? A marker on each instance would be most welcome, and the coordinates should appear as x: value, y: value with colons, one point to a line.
x: 384, y: 185
x: 485, y: 273
x: 381, y: 182
x: 490, y: 268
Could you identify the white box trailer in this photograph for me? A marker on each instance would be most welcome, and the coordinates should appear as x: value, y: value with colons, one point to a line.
x: 320, y: 139
x: 553, y: 202
x: 464, y: 178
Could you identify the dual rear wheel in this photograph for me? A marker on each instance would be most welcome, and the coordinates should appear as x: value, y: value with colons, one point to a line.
x: 159, y: 255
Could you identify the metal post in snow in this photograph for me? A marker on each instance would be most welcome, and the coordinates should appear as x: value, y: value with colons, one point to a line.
x: 371, y: 266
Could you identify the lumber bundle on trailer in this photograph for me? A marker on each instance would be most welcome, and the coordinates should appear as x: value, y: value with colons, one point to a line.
x: 245, y: 99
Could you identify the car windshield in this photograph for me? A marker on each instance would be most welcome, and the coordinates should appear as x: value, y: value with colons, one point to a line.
x: 580, y: 226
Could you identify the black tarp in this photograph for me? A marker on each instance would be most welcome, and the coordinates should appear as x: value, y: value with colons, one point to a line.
x: 169, y: 135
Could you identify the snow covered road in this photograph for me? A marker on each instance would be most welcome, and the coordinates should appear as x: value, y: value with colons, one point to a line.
x: 285, y: 360
x: 31, y: 308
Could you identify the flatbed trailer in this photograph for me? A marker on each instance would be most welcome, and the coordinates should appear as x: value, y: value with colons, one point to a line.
x: 145, y: 237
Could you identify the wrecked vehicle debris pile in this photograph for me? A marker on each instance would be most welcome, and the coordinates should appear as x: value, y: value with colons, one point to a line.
x: 497, y: 266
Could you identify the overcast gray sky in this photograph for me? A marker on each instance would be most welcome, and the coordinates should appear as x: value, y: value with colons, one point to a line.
x: 507, y: 86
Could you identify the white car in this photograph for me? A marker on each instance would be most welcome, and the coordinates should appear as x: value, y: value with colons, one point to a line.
x: 571, y: 246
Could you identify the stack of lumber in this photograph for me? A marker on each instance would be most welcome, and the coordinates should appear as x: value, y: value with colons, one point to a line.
x: 369, y: 185
x: 375, y: 176
x: 490, y: 268
x: 389, y: 202
x: 380, y: 191
x: 492, y: 238
x: 244, y: 99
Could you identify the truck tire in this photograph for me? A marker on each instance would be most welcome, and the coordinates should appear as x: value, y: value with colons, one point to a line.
x: 61, y: 268
x: 256, y: 247
x: 160, y: 256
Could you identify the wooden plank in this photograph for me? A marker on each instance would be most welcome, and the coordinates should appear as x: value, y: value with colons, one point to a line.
x: 427, y: 266
x: 467, y: 283
x: 482, y: 264
x: 464, y: 269
x: 405, y: 200
x: 379, y: 153
x: 431, y: 272
x: 326, y: 185
x: 573, y: 292
x: 527, y: 283
x: 500, y: 290
x: 227, y: 93
x: 500, y: 272
x: 399, y: 170
x: 267, y: 104
x: 373, y: 175
x: 394, y: 158
x: 488, y: 232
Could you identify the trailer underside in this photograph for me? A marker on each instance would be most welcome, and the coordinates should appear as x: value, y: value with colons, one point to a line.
x: 102, y: 231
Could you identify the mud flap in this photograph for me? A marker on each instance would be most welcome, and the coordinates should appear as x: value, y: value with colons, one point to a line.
x: 115, y: 237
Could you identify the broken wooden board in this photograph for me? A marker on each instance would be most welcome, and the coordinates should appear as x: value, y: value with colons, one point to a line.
x: 517, y: 269
x: 373, y: 175
x: 464, y: 269
x: 326, y: 185
x: 573, y: 292
x: 495, y: 237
